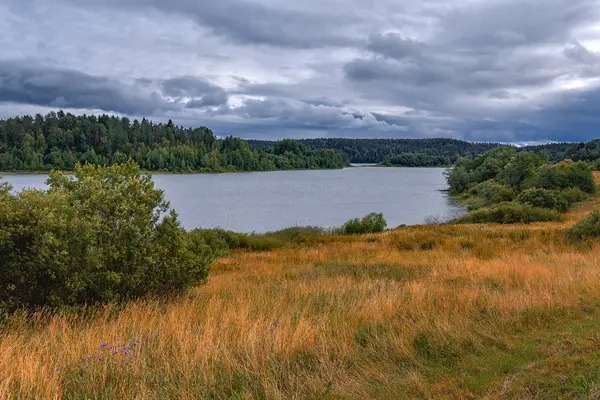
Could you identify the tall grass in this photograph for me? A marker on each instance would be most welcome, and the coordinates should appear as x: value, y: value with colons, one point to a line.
x: 399, y: 314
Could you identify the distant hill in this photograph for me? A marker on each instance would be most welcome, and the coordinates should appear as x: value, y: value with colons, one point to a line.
x: 401, y: 152
x: 435, y: 152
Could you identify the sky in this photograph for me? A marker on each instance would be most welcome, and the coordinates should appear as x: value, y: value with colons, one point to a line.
x: 480, y: 70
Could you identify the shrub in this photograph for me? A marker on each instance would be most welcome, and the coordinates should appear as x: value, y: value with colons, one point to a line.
x: 106, y: 235
x: 567, y: 175
x: 521, y: 168
x: 588, y: 227
x: 219, y: 242
x: 372, y: 223
x: 574, y: 195
x: 299, y: 233
x: 493, y: 192
x: 510, y: 213
x: 458, y: 179
x: 544, y: 198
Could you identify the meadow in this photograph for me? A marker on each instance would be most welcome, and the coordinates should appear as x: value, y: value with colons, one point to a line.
x: 439, y: 311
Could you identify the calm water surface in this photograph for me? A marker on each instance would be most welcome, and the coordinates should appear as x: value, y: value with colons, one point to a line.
x: 267, y: 201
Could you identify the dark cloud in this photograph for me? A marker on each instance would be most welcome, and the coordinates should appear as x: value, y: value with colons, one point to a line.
x: 187, y: 86
x: 255, y: 22
x: 482, y: 70
x: 202, y: 93
x: 308, y: 115
x: 26, y: 82
x: 506, y: 95
x: 394, y: 46
x: 216, y: 98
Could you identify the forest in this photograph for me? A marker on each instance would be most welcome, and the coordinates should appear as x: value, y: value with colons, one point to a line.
x: 61, y: 140
x: 396, y: 152
x: 436, y: 152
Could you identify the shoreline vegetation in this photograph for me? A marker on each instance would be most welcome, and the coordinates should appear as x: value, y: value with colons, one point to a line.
x: 58, y: 141
x: 101, y: 298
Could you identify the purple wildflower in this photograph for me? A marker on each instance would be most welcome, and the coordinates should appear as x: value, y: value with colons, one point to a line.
x: 103, y: 345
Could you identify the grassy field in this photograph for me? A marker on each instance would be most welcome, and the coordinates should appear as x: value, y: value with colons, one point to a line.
x: 470, y: 311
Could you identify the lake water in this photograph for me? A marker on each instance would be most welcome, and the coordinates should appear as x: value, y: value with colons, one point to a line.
x: 267, y: 201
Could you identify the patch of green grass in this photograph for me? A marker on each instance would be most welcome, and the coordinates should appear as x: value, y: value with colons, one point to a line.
x: 555, y: 360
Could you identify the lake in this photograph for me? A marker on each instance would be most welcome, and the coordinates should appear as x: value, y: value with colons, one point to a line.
x: 267, y: 201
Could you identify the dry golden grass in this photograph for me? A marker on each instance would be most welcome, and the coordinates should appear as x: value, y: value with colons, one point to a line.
x: 403, y: 314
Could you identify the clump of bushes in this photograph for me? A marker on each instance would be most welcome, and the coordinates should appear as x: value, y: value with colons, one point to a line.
x: 574, y: 195
x: 567, y: 175
x: 505, y: 175
x: 219, y: 242
x: 588, y: 227
x: 371, y: 223
x: 105, y: 235
x: 510, y: 213
x: 544, y: 198
x: 301, y: 233
x: 493, y: 192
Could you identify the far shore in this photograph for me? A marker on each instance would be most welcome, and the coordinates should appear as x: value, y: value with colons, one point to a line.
x: 68, y: 172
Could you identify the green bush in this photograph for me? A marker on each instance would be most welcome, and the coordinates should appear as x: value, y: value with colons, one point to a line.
x: 521, y: 170
x: 574, y: 195
x: 220, y: 242
x: 493, y: 192
x: 299, y: 233
x: 567, y: 175
x: 372, y: 223
x: 588, y: 227
x: 510, y: 213
x: 105, y: 235
x: 544, y: 198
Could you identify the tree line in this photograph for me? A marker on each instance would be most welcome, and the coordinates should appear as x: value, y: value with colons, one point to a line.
x: 436, y: 152
x: 61, y: 140
x: 396, y: 152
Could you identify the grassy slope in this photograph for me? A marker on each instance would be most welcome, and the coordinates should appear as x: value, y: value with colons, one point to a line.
x: 424, y: 312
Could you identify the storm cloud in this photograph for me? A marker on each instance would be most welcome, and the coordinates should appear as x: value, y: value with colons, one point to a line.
x: 499, y: 70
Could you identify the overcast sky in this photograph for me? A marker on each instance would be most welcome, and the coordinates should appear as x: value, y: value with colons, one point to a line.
x: 487, y: 70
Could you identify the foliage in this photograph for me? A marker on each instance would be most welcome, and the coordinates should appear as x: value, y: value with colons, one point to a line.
x: 588, y: 227
x: 301, y: 233
x: 493, y: 192
x: 544, y: 198
x: 105, y: 235
x: 509, y: 213
x: 520, y: 170
x: 220, y: 242
x: 504, y: 174
x: 396, y: 152
x: 59, y: 141
x: 371, y: 223
x: 574, y: 195
x: 557, y: 152
x: 567, y: 175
